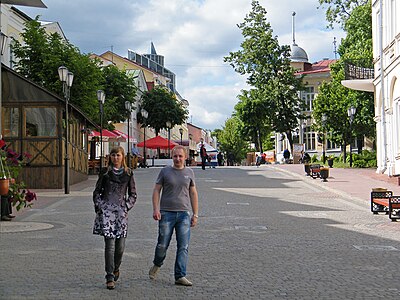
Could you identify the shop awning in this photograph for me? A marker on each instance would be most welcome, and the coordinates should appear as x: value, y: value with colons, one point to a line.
x: 158, y: 142
x: 124, y: 135
x: 107, y: 136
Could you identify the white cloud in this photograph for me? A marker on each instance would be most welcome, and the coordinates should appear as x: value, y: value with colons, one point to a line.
x: 193, y: 36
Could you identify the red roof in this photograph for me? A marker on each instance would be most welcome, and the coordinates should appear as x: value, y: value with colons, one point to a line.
x: 318, y: 67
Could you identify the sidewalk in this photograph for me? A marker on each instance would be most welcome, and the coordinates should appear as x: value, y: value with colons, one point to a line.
x: 353, y: 183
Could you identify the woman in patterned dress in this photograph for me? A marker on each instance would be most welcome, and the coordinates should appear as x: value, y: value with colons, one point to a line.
x: 113, y: 197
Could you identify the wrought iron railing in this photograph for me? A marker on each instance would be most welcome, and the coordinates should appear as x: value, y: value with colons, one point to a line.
x: 358, y: 69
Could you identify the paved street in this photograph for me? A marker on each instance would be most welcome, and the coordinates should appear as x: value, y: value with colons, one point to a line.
x: 263, y: 233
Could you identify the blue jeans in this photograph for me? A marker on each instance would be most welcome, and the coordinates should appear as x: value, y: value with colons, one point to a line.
x: 180, y: 221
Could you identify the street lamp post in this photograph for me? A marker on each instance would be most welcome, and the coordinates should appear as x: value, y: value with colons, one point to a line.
x: 323, y: 119
x: 128, y: 107
x: 101, y: 97
x: 181, y: 133
x: 350, y: 113
x: 145, y: 114
x: 66, y: 78
x: 168, y: 123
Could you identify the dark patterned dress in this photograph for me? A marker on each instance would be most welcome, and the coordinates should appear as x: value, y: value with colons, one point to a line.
x: 113, y: 197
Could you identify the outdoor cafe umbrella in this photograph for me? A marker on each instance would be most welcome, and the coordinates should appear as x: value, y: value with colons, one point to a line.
x: 158, y: 142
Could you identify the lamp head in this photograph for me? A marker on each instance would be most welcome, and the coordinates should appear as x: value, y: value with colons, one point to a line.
x: 101, y: 97
x: 63, y: 73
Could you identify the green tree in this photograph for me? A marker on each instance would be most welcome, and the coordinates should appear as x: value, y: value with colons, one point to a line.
x: 40, y: 55
x: 251, y: 110
x: 267, y: 65
x: 162, y: 107
x: 231, y: 140
x: 334, y: 99
x: 119, y: 87
x: 338, y: 11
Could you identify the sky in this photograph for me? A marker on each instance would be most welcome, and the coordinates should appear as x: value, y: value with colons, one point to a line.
x: 193, y: 36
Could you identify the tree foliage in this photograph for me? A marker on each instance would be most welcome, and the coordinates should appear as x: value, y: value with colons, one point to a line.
x: 231, y: 140
x: 274, y: 101
x: 334, y: 99
x: 39, y: 56
x: 338, y: 11
x: 119, y: 87
x: 162, y: 106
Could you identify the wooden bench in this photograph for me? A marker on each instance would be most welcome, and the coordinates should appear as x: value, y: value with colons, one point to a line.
x: 315, y: 170
x: 384, y: 201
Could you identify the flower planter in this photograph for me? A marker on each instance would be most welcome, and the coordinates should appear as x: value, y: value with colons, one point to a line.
x: 330, y: 162
x: 324, y: 174
x: 4, y: 186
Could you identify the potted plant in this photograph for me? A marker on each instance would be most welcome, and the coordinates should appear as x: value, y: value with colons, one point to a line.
x: 324, y: 173
x: 330, y: 161
x: 11, y: 164
x: 4, y: 176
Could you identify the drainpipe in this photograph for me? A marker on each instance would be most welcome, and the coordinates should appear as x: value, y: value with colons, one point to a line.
x: 383, y: 119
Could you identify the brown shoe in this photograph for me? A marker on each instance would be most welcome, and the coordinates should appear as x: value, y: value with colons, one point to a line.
x: 110, y: 285
x: 116, y: 275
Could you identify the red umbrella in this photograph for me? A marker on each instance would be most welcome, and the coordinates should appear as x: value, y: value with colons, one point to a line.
x: 158, y: 142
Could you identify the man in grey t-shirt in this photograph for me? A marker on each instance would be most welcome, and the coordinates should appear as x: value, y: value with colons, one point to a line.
x: 179, y: 196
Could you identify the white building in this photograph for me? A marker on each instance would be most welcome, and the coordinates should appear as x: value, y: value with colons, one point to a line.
x: 386, y: 51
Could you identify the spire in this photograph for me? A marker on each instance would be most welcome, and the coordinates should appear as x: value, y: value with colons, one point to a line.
x: 293, y: 30
x: 153, y: 49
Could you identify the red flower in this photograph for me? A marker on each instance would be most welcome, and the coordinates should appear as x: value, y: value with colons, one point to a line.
x: 30, y: 196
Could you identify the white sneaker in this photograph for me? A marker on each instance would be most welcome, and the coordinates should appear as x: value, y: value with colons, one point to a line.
x: 183, y: 281
x: 153, y: 271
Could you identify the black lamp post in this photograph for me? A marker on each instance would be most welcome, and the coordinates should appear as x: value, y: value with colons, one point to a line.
x: 350, y: 113
x: 168, y: 123
x: 323, y: 120
x: 145, y: 114
x: 66, y: 78
x: 101, y: 97
x: 181, y: 132
x: 128, y: 107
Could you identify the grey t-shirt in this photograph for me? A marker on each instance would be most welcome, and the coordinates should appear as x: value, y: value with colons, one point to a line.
x: 175, y: 183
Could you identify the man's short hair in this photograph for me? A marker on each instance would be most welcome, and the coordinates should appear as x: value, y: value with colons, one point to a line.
x: 179, y: 147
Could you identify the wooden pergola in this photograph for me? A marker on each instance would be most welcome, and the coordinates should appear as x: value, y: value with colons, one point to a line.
x: 33, y: 121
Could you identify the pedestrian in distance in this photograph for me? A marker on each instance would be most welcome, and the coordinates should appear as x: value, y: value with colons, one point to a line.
x: 172, y: 211
x: 203, y: 155
x: 286, y: 155
x: 114, y: 195
x: 220, y: 159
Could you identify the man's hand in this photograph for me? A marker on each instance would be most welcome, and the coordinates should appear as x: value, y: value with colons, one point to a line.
x: 156, y: 215
x: 193, y: 221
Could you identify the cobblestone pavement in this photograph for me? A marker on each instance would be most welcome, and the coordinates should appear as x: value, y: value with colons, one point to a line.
x: 263, y: 233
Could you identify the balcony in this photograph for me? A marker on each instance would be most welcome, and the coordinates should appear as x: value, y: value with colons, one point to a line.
x: 359, y: 75
x: 358, y: 69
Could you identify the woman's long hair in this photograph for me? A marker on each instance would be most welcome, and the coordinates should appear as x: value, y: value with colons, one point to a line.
x: 121, y: 150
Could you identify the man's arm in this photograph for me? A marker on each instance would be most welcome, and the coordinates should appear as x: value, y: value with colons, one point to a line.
x: 194, y: 201
x: 156, y: 202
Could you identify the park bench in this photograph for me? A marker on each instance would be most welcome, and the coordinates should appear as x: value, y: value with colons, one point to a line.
x: 315, y: 170
x: 384, y: 201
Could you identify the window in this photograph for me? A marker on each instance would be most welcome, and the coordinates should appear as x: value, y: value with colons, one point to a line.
x: 40, y: 121
x: 309, y: 139
x: 10, y: 121
x: 308, y: 96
